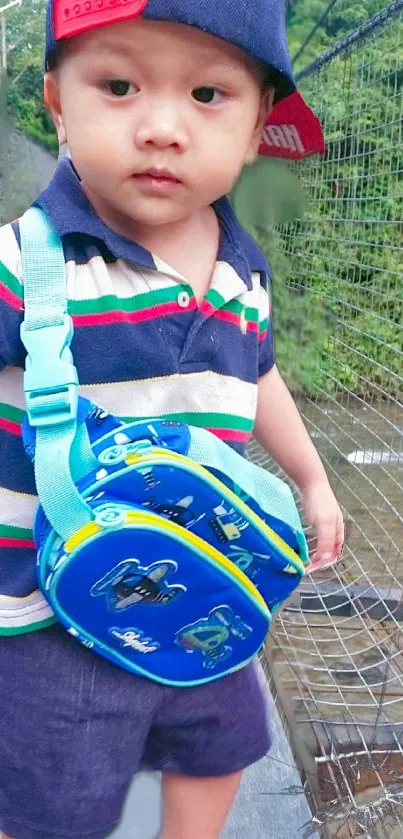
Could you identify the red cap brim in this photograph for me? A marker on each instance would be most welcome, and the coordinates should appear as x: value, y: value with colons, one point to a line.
x: 71, y: 17
x: 292, y: 130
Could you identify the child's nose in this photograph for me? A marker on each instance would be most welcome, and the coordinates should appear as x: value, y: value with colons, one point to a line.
x: 162, y: 127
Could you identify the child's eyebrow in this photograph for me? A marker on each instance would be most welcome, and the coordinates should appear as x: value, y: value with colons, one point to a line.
x: 212, y: 58
x: 216, y: 64
x: 110, y: 48
x: 202, y: 60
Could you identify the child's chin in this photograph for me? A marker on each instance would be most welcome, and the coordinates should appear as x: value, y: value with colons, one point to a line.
x: 155, y: 216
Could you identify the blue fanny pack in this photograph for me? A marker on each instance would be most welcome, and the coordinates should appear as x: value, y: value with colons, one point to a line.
x: 159, y: 547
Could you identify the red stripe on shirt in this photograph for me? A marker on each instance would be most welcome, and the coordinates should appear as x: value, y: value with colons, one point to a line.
x: 105, y: 318
x: 230, y: 435
x: 9, y: 297
x: 16, y: 543
x: 10, y: 426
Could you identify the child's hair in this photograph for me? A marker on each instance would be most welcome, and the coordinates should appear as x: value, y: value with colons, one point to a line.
x: 269, y: 77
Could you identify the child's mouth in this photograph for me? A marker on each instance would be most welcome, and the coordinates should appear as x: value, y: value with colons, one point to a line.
x: 156, y: 180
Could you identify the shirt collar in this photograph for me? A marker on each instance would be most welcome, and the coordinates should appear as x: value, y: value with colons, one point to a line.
x: 70, y: 212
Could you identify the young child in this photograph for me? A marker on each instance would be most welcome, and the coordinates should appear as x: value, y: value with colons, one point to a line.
x: 161, y: 104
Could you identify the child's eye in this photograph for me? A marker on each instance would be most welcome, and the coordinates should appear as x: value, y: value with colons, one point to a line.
x: 207, y: 95
x: 119, y: 87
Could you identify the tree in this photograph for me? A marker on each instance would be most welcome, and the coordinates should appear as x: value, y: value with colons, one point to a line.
x: 345, y: 16
x: 25, y: 58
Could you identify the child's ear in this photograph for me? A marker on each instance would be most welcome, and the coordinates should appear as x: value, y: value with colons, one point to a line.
x: 265, y: 109
x: 51, y: 95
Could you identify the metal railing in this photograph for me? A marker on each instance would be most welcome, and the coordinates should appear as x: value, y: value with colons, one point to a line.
x: 335, y: 655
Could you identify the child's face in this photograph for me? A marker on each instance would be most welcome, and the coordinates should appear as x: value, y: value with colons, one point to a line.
x: 159, y: 118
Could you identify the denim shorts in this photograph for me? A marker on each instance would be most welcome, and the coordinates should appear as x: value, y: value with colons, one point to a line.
x: 75, y: 729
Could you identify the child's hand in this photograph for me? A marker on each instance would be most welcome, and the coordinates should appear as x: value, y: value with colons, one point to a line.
x: 323, y: 514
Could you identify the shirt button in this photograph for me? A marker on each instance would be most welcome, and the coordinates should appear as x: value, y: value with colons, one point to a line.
x: 183, y: 299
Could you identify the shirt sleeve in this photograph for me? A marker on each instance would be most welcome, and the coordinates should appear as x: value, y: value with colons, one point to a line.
x: 267, y: 357
x: 11, y: 300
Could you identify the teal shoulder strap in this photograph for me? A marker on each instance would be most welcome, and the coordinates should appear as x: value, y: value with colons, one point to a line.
x: 50, y: 378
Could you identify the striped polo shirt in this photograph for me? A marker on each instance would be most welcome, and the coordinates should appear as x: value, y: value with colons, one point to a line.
x: 143, y: 347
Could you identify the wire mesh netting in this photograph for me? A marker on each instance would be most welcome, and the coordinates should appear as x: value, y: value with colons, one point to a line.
x: 336, y: 652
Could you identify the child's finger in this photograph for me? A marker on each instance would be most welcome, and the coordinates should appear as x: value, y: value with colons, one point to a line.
x: 328, y: 549
x: 340, y: 535
x: 320, y: 564
x: 325, y: 548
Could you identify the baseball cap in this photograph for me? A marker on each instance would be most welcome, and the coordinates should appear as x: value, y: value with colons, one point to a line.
x: 256, y: 26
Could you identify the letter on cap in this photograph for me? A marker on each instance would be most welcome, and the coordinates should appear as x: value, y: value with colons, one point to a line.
x: 292, y: 130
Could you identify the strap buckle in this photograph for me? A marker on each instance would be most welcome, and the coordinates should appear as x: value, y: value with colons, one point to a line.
x: 50, y: 378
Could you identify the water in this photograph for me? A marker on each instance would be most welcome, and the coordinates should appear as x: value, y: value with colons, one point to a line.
x: 362, y: 446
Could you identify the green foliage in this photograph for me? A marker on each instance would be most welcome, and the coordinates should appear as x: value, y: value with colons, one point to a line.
x: 267, y: 195
x: 25, y: 40
x: 337, y: 258
x: 345, y: 16
x: 347, y: 250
